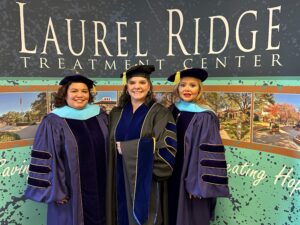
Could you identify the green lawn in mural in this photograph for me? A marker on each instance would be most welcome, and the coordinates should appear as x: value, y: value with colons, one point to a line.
x: 20, y: 114
x: 276, y: 120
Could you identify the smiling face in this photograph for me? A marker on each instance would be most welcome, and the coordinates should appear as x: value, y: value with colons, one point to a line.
x: 138, y: 88
x: 77, y: 95
x: 188, y: 89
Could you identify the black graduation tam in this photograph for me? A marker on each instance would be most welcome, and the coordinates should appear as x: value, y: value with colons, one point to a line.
x: 77, y: 79
x: 197, y: 73
x: 137, y: 71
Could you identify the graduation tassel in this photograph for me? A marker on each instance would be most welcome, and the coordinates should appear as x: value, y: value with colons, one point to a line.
x: 94, y: 90
x: 154, y: 144
x: 124, y: 78
x: 177, y: 77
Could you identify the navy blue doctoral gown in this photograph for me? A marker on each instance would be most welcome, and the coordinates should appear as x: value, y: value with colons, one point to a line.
x: 200, y: 169
x: 68, y: 161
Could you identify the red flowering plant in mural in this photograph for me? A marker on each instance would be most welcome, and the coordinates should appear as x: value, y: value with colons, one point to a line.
x: 274, y: 122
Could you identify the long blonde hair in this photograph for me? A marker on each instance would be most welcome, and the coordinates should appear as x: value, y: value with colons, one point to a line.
x: 199, y: 100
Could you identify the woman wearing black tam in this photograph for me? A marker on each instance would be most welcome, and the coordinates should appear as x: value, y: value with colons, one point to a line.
x: 200, y: 173
x: 142, y: 153
x: 68, y: 158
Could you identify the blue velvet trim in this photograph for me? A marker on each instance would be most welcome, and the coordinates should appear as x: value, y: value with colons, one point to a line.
x: 212, y: 148
x: 191, y: 107
x: 78, y: 114
x: 39, y: 168
x: 215, y: 179
x: 214, y: 163
x: 171, y: 142
x: 166, y: 155
x: 143, y: 180
x: 38, y: 183
x: 92, y: 167
x: 40, y: 154
x: 130, y: 124
x: 171, y: 127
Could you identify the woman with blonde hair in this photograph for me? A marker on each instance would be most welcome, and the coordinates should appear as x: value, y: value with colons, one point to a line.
x: 199, y: 174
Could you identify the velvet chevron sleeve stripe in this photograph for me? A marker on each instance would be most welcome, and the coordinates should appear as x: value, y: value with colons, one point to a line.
x: 171, y: 127
x: 215, y: 180
x: 213, y: 163
x: 171, y: 143
x: 213, y: 148
x: 40, y: 154
x: 39, y: 183
x: 167, y: 156
x: 39, y: 169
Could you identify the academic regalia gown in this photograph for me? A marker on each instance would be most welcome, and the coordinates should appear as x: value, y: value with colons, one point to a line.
x: 69, y: 161
x: 200, y: 168
x: 137, y: 191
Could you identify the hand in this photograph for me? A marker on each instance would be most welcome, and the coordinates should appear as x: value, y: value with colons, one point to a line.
x: 118, y: 145
x: 62, y: 202
x: 193, y: 196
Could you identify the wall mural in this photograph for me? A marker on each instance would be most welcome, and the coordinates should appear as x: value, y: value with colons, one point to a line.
x: 265, y: 119
x: 20, y: 114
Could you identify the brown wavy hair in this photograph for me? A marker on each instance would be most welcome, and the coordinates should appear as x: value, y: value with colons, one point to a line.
x: 125, y: 97
x: 61, y: 94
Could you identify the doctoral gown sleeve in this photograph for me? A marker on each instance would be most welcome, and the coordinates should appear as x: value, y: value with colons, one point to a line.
x: 46, y: 180
x: 165, y: 145
x: 206, y: 174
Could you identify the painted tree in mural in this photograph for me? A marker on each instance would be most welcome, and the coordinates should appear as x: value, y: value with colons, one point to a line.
x: 273, y: 111
x: 11, y: 118
x: 240, y: 105
x: 267, y: 110
x: 242, y: 100
x: 263, y: 99
x: 262, y: 102
x: 215, y: 100
x: 233, y: 110
x: 39, y: 107
x: 287, y: 114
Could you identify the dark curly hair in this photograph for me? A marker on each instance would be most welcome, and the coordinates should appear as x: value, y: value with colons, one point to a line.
x: 61, y: 94
x: 125, y: 97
